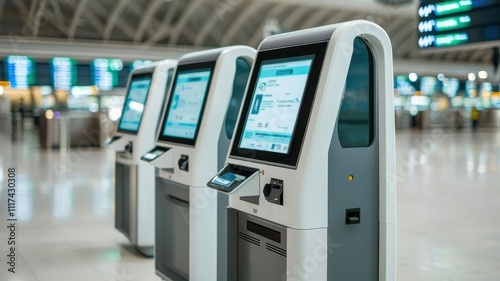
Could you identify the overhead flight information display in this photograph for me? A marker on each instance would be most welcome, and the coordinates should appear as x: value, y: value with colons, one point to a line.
x: 20, y: 71
x: 106, y: 73
x: 134, y: 103
x: 428, y: 85
x: 275, y: 105
x: 457, y: 22
x: 64, y: 72
x: 186, y: 104
x: 138, y: 63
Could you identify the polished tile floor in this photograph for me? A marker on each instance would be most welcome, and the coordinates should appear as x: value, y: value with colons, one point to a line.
x: 448, y: 200
x: 65, y: 205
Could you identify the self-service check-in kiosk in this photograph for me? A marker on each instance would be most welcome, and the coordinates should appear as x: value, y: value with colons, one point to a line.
x: 134, y: 180
x: 192, y: 144
x: 309, y: 172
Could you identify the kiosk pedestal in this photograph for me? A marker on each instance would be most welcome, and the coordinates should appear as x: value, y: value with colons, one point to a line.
x: 134, y: 179
x: 133, y: 203
x: 192, y: 144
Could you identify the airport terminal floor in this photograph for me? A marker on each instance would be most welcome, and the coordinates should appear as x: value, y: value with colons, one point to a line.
x: 448, y: 185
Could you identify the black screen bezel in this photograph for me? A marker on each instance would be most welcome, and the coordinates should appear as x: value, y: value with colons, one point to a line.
x: 182, y: 68
x: 132, y: 78
x: 289, y: 159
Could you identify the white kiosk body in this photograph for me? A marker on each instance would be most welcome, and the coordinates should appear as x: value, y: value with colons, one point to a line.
x: 310, y: 169
x: 134, y: 180
x: 192, y: 144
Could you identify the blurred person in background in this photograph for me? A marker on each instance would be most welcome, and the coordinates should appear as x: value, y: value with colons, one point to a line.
x: 21, y: 111
x: 474, y: 118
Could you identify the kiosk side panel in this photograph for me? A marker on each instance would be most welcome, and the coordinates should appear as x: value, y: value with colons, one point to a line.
x: 123, y: 176
x: 239, y: 84
x: 353, y: 181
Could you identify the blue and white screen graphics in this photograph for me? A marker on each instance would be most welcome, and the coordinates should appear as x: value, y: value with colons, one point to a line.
x: 275, y: 104
x: 134, y: 105
x: 186, y: 105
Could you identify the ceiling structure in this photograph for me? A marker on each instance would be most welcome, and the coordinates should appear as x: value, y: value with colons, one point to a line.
x: 154, y: 24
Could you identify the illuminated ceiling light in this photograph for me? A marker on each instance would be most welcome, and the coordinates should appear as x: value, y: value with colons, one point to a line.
x: 483, y: 74
x: 472, y: 76
x: 440, y: 77
x: 413, y: 77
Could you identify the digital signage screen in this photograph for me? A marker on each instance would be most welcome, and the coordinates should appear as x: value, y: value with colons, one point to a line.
x: 454, y: 23
x: 64, y: 72
x: 105, y: 73
x: 20, y: 71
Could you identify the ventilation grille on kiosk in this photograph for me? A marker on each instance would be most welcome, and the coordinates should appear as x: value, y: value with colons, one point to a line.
x: 249, y: 239
x: 276, y: 250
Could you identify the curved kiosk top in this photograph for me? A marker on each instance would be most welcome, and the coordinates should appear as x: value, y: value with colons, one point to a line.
x: 310, y: 168
x: 192, y: 142
x: 146, y: 91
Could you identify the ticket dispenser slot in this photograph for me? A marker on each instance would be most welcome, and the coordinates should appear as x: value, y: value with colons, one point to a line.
x: 127, y: 151
x: 353, y: 216
x: 273, y: 191
x: 183, y: 163
x: 129, y: 147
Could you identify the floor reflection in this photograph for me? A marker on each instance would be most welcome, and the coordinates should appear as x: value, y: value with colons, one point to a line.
x: 448, y: 190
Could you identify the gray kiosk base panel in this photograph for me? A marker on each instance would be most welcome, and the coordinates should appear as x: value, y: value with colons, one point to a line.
x: 172, y: 230
x: 357, y: 257
x: 126, y: 205
x: 260, y: 247
x: 123, y: 176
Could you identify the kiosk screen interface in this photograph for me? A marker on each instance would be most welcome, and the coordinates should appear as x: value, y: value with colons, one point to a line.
x: 134, y: 103
x: 186, y: 104
x: 275, y: 105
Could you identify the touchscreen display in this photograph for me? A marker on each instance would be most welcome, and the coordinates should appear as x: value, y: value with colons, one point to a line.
x: 275, y: 105
x: 134, y: 103
x: 183, y: 115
